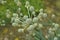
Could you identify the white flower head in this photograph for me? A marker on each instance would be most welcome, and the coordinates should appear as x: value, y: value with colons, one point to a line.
x: 27, y: 4
x: 54, y: 29
x: 45, y: 15
x: 15, y: 15
x: 31, y: 8
x: 56, y: 25
x: 40, y: 26
x: 55, y: 38
x: 40, y: 15
x: 12, y: 19
x: 47, y: 36
x: 20, y: 30
x: 19, y: 10
x: 35, y: 24
x: 8, y: 15
x: 14, y: 24
x: 33, y: 13
x: 17, y: 20
x: 23, y: 25
x: 25, y: 17
x: 41, y: 10
x: 3, y: 23
x: 18, y: 3
x: 53, y: 16
x: 35, y: 19
x: 53, y: 23
x: 21, y: 14
x: 58, y: 35
x: 29, y: 21
x: 50, y: 31
x: 8, y: 11
x: 30, y: 28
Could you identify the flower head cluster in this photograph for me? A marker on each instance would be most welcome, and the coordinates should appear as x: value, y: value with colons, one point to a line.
x: 18, y: 3
x: 27, y: 4
x: 15, y: 19
x: 31, y: 21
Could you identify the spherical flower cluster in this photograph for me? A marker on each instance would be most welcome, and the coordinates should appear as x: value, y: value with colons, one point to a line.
x: 35, y: 19
x: 15, y: 20
x: 42, y: 14
x: 25, y: 17
x: 28, y: 21
x: 33, y: 13
x: 41, y: 10
x: 58, y: 35
x: 17, y: 2
x: 20, y: 30
x: 55, y: 38
x: 31, y: 8
x: 15, y: 15
x: 56, y: 26
x: 40, y: 25
x: 53, y: 16
x: 50, y: 31
x: 45, y: 15
x: 19, y: 10
x: 32, y: 27
x: 8, y: 13
x: 27, y: 4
